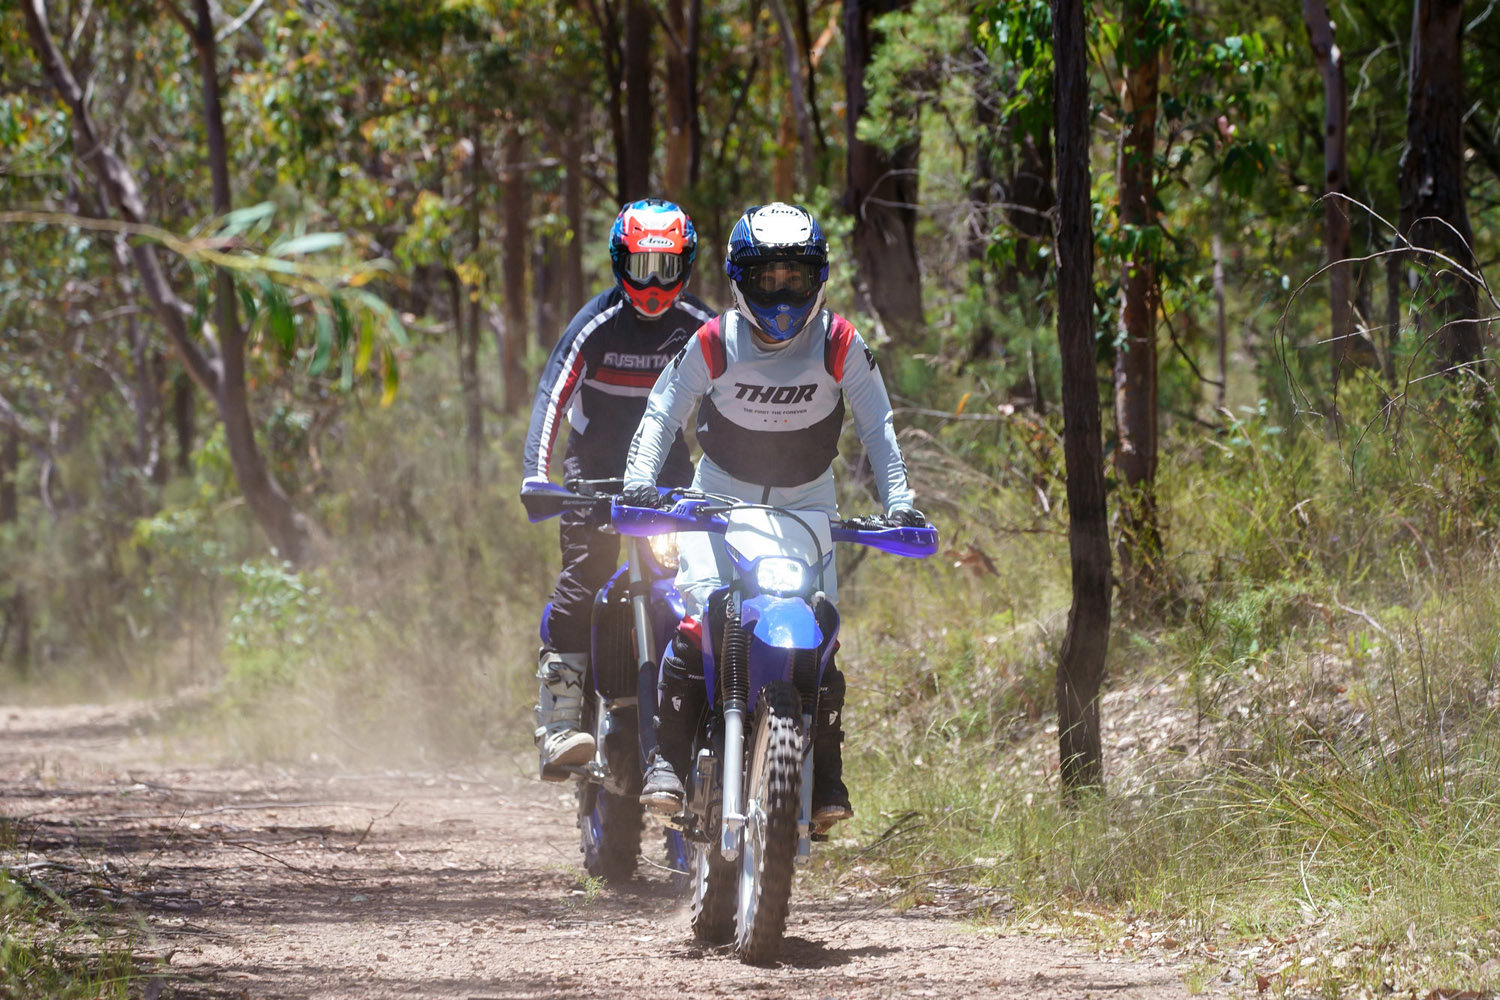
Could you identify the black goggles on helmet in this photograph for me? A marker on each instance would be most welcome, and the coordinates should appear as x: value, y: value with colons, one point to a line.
x: 781, y: 278
x: 653, y: 266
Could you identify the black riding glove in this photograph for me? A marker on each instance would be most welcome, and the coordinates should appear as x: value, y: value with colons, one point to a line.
x: 908, y: 517
x: 641, y: 495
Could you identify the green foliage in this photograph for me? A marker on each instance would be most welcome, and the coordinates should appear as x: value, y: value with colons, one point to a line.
x: 48, y: 949
x: 1301, y: 749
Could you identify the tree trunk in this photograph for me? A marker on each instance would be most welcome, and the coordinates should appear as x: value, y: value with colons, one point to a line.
x: 573, y: 205
x: 466, y: 340
x: 695, y: 118
x: 184, y: 421
x: 985, y: 192
x: 15, y: 638
x: 1433, y: 212
x: 517, y: 240
x: 223, y: 375
x: 791, y: 51
x: 1080, y: 668
x: 1135, y: 361
x: 683, y: 133
x: 1012, y: 186
x: 1221, y: 318
x: 1336, y: 236
x: 813, y: 53
x: 640, y: 140
x: 605, y: 16
x: 264, y: 495
x: 147, y: 401
x: 1394, y: 268
x: 882, y: 192
x: 544, y: 290
x: 121, y: 190
x: 783, y: 162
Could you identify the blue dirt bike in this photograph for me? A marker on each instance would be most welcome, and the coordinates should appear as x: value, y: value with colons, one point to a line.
x: 769, y: 635
x: 634, y: 616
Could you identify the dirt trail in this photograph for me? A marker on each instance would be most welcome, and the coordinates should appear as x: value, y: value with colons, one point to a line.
x: 269, y: 883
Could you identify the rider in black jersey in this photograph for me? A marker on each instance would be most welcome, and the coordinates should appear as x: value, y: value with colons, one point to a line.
x: 597, y: 379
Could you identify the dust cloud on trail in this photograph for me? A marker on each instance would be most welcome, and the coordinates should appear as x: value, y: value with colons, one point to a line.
x: 460, y: 883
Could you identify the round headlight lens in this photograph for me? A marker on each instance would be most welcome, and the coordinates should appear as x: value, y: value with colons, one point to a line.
x: 664, y: 551
x: 780, y: 575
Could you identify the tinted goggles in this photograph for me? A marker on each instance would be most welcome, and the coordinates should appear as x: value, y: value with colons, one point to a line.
x: 782, y: 277
x: 657, y: 266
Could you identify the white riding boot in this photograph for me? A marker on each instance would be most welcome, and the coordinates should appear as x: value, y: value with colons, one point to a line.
x: 559, y: 741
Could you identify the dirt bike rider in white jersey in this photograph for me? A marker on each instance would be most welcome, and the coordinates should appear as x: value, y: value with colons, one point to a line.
x: 597, y: 380
x: 773, y: 374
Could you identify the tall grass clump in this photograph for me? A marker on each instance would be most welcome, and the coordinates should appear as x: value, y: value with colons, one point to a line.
x: 1301, y: 737
x: 49, y: 950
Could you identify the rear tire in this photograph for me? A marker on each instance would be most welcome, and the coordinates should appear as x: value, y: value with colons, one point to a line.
x: 769, y: 848
x: 609, y: 832
x: 609, y: 822
x: 711, y: 877
x: 713, y: 893
x: 679, y: 859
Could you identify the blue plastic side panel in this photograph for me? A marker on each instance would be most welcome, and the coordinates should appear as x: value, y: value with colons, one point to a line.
x: 546, y: 617
x: 830, y: 634
x: 768, y: 664
x: 783, y: 622
x: 710, y: 643
x: 600, y: 597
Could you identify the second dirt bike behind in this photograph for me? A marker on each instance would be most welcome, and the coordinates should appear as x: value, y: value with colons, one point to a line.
x: 634, y: 616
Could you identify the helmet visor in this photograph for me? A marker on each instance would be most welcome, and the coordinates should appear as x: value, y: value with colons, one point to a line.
x: 782, y: 279
x: 657, y: 266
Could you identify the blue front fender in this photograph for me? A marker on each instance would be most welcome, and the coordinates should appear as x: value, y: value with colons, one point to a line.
x: 782, y: 622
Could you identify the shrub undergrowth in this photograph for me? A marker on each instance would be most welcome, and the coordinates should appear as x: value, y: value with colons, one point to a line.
x: 1302, y: 744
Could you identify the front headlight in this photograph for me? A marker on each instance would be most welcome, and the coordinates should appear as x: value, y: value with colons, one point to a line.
x: 664, y: 551
x: 780, y: 575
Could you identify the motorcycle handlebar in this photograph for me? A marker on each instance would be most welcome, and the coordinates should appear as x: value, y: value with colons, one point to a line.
x: 601, y: 499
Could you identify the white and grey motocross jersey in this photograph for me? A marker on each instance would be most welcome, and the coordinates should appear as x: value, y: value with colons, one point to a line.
x: 772, y: 416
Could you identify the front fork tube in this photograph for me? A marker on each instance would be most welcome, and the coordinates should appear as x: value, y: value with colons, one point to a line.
x: 604, y: 724
x: 734, y: 774
x: 804, y: 808
x: 645, y: 656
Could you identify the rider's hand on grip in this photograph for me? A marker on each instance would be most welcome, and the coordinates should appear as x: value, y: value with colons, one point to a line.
x: 641, y: 495
x: 907, y: 517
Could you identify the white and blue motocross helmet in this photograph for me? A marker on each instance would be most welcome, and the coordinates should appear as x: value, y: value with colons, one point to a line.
x: 777, y: 264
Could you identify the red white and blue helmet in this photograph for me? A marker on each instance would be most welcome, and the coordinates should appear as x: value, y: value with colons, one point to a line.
x: 652, y: 248
x: 777, y: 264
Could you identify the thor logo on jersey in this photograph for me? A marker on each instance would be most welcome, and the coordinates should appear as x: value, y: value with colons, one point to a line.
x: 777, y: 395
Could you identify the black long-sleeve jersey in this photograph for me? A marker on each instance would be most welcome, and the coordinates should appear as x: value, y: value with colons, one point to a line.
x: 598, y: 378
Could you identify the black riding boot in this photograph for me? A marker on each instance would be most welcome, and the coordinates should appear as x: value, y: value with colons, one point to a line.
x: 830, y: 799
x: 680, y: 699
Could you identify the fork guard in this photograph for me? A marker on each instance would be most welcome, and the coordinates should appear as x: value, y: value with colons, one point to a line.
x: 781, y: 622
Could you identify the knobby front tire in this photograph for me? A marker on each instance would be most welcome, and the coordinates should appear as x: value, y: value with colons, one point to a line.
x: 768, y: 856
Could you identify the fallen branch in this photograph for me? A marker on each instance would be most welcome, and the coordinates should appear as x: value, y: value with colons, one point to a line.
x: 303, y: 871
